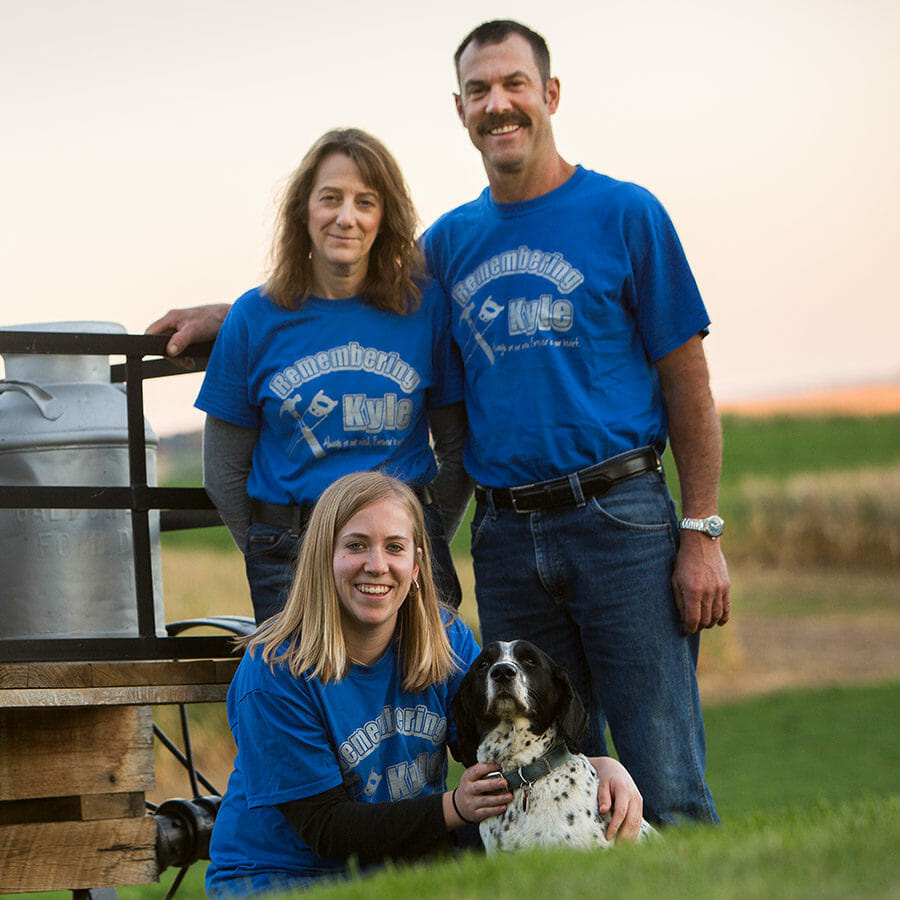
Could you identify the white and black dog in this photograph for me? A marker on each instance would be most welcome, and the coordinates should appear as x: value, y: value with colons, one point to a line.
x: 515, y: 707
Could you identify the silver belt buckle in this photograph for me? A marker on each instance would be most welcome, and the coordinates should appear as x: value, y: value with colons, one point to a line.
x: 512, y: 498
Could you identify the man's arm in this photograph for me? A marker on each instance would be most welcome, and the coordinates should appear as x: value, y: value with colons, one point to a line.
x: 700, y: 580
x: 190, y: 326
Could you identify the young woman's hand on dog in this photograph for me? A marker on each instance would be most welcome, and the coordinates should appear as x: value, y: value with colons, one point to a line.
x: 477, y: 797
x: 619, y: 796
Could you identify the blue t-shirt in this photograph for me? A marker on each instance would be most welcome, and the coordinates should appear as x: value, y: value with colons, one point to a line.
x: 561, y: 305
x: 297, y: 737
x: 336, y: 386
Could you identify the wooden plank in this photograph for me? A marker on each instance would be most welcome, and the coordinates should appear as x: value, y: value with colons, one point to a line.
x: 18, y: 676
x: 63, y: 856
x: 35, y: 675
x: 225, y: 669
x: 61, y: 752
x: 142, y: 695
x: 197, y: 671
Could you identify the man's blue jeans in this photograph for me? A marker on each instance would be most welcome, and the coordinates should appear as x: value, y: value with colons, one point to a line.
x: 591, y: 586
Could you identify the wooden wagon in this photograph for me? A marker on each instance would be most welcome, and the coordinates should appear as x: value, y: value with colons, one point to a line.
x: 76, y: 727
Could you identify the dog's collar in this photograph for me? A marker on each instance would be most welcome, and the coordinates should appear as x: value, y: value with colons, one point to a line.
x: 543, y: 765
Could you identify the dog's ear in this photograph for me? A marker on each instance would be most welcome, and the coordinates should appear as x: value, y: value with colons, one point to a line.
x: 464, y: 716
x: 571, y: 717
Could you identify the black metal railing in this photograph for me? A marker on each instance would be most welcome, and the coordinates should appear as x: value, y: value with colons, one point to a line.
x: 179, y: 507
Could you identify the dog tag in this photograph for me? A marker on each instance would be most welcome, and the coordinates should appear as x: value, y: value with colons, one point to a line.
x: 526, y: 796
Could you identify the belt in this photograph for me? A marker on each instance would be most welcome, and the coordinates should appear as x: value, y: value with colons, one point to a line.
x: 279, y: 515
x: 574, y: 489
x: 295, y: 516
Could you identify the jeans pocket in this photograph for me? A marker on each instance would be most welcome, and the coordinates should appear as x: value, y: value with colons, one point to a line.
x: 478, y: 526
x: 636, y: 505
x: 264, y: 539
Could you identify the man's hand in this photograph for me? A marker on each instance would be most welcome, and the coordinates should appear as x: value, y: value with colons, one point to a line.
x: 619, y: 795
x: 700, y: 583
x: 190, y: 326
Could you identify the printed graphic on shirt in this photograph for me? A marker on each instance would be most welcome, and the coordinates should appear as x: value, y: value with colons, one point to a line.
x: 319, y: 407
x: 530, y: 322
x: 405, y: 778
x: 360, y: 416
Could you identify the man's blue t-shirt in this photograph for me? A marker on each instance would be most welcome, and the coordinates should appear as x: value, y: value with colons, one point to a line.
x: 335, y: 386
x: 561, y: 305
x: 297, y: 737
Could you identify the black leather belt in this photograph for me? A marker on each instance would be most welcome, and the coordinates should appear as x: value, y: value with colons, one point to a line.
x: 295, y: 517
x: 278, y: 515
x: 574, y: 489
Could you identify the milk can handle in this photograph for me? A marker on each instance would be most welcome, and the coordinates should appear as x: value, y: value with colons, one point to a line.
x: 49, y: 406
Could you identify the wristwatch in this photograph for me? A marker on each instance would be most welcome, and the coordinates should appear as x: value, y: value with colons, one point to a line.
x: 711, y: 526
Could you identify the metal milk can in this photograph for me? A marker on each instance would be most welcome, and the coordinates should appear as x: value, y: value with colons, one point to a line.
x: 69, y: 572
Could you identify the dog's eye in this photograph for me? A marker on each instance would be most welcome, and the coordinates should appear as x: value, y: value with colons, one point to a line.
x: 529, y: 661
x: 483, y: 665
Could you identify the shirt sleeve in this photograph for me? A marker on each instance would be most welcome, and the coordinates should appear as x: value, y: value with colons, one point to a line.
x: 452, y: 485
x: 466, y: 650
x: 226, y: 384
x: 227, y: 460
x: 337, y: 828
x: 669, y: 307
x: 447, y: 361
x: 283, y: 746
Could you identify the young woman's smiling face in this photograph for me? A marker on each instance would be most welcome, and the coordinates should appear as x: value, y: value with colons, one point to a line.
x: 375, y: 562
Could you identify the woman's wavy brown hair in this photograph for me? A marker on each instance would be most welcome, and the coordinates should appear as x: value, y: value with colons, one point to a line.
x: 396, y: 265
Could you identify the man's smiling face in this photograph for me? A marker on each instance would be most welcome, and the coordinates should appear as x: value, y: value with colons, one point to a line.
x: 505, y: 106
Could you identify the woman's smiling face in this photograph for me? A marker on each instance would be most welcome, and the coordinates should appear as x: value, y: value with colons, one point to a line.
x: 344, y: 215
x: 375, y: 562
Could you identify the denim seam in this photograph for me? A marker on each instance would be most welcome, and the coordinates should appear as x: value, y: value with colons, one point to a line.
x: 690, y: 689
x: 540, y: 559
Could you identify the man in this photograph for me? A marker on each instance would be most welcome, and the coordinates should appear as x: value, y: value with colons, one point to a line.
x: 581, y: 332
x: 580, y: 327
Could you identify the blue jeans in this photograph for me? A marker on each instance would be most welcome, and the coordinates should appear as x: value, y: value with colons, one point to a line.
x: 270, y: 558
x: 591, y: 586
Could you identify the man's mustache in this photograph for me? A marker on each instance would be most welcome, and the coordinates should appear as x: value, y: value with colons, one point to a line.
x: 491, y: 122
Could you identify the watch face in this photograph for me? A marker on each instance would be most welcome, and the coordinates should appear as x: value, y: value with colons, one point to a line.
x: 715, y: 525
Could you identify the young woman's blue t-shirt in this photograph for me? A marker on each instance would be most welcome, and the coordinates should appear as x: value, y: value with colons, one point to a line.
x: 297, y: 737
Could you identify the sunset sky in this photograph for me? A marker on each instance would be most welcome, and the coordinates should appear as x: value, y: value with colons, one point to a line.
x: 144, y: 145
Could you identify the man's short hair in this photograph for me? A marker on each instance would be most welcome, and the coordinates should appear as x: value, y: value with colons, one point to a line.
x: 497, y: 31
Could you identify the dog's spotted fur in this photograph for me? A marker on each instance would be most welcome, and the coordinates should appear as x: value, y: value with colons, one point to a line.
x: 514, y: 705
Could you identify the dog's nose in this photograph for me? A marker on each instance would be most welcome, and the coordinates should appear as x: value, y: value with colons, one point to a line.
x: 503, y: 672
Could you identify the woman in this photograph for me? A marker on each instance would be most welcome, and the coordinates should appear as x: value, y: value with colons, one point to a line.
x: 340, y: 708
x: 337, y: 364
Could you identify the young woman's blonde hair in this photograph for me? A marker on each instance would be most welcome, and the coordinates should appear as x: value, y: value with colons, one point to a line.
x: 396, y: 264
x: 307, y: 633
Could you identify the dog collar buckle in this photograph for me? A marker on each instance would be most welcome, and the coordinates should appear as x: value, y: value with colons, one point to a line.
x: 527, y: 787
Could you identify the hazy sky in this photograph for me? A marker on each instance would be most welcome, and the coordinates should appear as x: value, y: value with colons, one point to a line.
x: 144, y: 145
